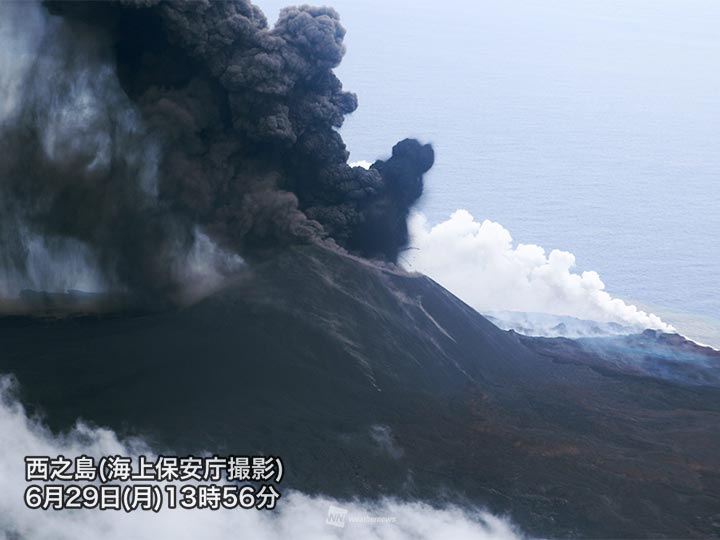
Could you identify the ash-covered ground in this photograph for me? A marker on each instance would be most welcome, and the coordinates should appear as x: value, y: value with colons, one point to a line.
x: 372, y: 382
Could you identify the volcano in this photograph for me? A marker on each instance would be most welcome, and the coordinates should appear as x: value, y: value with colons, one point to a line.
x: 369, y: 381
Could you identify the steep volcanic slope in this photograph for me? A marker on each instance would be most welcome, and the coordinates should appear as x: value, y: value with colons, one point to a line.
x: 368, y: 381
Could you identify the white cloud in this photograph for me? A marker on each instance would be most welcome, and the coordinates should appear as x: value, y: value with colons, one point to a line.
x: 480, y: 264
x: 362, y: 163
x: 297, y: 516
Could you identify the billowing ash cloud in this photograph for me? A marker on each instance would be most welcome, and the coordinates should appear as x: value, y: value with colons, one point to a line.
x: 297, y: 515
x: 130, y: 129
x: 479, y: 263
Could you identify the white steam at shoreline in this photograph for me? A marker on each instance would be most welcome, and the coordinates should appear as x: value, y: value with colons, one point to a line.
x: 297, y: 516
x: 480, y: 264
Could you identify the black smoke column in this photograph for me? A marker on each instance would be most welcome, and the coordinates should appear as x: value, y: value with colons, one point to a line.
x: 384, y: 230
x: 246, y: 121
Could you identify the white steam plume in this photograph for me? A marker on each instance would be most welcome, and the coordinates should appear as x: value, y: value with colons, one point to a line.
x: 479, y: 263
x: 362, y: 163
x: 297, y: 516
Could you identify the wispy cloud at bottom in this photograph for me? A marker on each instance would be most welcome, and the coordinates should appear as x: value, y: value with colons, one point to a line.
x: 297, y: 516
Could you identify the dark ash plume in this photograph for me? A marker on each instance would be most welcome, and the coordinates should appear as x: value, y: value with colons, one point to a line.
x: 153, y: 123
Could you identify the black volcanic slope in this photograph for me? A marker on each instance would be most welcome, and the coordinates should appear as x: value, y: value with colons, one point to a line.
x: 372, y: 382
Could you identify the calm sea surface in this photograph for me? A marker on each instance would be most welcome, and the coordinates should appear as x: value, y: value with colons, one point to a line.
x: 592, y: 127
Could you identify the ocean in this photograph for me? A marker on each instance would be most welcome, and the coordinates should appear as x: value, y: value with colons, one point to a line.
x: 588, y: 126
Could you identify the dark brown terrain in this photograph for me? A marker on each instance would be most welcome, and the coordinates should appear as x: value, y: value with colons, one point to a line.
x: 368, y: 381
